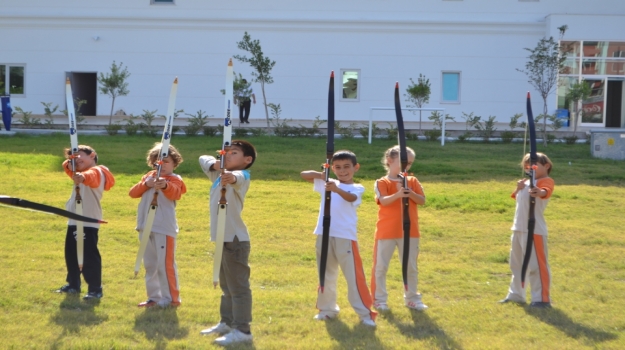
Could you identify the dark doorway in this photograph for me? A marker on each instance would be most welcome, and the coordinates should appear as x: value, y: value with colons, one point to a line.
x: 85, y: 87
x: 614, y: 102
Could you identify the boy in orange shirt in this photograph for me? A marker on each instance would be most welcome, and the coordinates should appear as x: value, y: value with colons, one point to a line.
x: 389, y: 192
x: 92, y: 180
x: 539, y: 272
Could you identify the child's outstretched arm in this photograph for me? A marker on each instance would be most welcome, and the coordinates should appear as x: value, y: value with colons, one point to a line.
x: 311, y: 175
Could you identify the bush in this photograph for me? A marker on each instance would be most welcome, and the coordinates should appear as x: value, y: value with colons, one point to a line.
x: 391, y: 131
x: 551, y: 138
x: 146, y: 126
x: 240, y: 132
x: 465, y: 137
x: 487, y: 128
x: 346, y: 132
x: 26, y: 120
x: 507, y: 136
x: 131, y: 127
x: 364, y: 130
x: 570, y: 140
x: 257, y: 131
x: 196, y: 123
x: 209, y: 131
x: 432, y: 135
x: 113, y: 129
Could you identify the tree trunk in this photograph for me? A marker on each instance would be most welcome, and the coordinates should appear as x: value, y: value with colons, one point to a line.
x: 545, y: 120
x: 262, y: 88
x: 111, y: 115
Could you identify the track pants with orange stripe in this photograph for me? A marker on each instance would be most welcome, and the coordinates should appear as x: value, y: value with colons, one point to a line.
x: 344, y: 253
x: 382, y: 254
x: 539, y: 273
x: 161, y: 272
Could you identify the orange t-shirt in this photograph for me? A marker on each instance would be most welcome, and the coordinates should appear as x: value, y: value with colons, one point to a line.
x: 390, y: 223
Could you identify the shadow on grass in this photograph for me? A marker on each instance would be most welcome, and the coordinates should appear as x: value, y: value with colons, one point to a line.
x: 74, y: 314
x: 159, y: 325
x: 564, y: 323
x: 423, y: 328
x: 360, y: 337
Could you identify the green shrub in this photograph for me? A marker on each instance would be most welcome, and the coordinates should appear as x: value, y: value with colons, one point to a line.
x: 209, y: 130
x: 131, y: 127
x: 240, y: 132
x: 570, y: 140
x: 507, y: 136
x: 146, y: 126
x: 113, y: 129
x: 432, y: 135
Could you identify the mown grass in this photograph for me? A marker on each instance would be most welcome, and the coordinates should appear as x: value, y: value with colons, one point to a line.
x: 463, y: 262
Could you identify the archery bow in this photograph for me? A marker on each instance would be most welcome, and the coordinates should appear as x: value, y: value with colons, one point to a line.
x: 24, y: 204
x: 223, y: 202
x: 532, y: 175
x: 73, y: 137
x: 403, y: 158
x: 164, y: 153
x: 325, y: 238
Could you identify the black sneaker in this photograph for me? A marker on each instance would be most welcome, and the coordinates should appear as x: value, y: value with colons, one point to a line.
x: 93, y: 295
x: 67, y: 289
x: 541, y: 305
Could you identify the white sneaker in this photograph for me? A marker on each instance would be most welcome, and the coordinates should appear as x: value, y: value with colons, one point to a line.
x: 368, y: 322
x: 381, y: 307
x: 419, y: 305
x: 236, y: 336
x: 320, y: 317
x: 220, y: 328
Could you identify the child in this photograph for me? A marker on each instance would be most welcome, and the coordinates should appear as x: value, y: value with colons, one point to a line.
x: 234, y: 274
x: 92, y: 180
x: 389, y: 232
x: 342, y: 245
x: 161, y: 271
x: 539, y: 273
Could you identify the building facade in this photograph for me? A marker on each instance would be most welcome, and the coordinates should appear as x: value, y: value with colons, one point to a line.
x: 470, y: 51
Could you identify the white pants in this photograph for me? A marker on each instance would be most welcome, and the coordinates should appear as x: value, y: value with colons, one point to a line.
x: 539, y: 273
x: 161, y: 272
x: 344, y: 253
x: 382, y: 254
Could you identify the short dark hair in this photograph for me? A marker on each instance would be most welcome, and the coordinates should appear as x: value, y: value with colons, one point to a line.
x: 344, y: 155
x: 247, y: 149
x: 84, y: 148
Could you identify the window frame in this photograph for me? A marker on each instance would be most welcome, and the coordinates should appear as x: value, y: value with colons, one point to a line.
x: 7, y: 79
x: 358, y: 84
x: 459, y: 99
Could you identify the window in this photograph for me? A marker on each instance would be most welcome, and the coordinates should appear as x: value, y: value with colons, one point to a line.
x: 350, y: 88
x: 451, y: 87
x: 11, y: 79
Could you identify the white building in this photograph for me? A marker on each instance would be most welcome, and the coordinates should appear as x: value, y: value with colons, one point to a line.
x: 469, y: 50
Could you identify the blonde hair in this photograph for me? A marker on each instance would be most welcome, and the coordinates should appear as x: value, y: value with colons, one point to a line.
x: 393, y: 153
x: 153, y: 154
x: 542, y: 159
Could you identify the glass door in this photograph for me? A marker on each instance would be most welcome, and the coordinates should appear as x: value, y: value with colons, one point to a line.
x: 593, y: 108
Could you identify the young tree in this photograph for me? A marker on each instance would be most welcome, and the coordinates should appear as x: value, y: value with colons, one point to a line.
x: 579, y: 91
x: 545, y: 63
x: 418, y: 94
x: 262, y: 65
x: 114, y: 84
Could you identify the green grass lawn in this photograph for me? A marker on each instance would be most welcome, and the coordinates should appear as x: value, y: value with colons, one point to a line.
x: 463, y: 262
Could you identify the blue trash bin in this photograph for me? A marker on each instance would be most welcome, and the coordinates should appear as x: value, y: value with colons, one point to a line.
x: 563, y: 114
x: 6, y: 111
